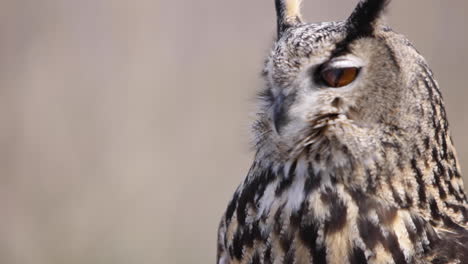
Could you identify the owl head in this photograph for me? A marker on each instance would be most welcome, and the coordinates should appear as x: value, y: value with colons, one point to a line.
x: 347, y: 88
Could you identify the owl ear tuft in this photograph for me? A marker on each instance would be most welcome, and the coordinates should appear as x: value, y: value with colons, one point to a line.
x: 365, y: 17
x: 287, y: 14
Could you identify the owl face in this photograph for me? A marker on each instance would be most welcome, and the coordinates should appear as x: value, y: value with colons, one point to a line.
x: 334, y: 81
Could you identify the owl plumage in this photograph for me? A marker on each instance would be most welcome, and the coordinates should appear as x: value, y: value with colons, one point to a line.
x: 354, y: 161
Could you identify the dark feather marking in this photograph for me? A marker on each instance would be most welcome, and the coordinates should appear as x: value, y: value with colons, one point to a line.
x: 357, y: 256
x: 278, y: 224
x: 255, y: 259
x: 246, y: 197
x: 441, y: 169
x: 370, y: 233
x: 320, y: 256
x: 289, y: 257
x: 286, y: 240
x: 395, y: 249
x: 317, y: 157
x: 432, y: 79
x: 409, y: 200
x: 420, y: 230
x: 444, y: 148
x: 437, y: 132
x: 312, y: 182
x: 420, y: 181
x: 308, y: 234
x: 231, y: 208
x: 428, y: 73
x: 247, y: 237
x: 435, y: 213
x: 412, y: 233
x: 427, y: 229
x: 255, y: 187
x: 237, y: 245
x: 427, y: 143
x: 448, y: 222
x: 256, y: 232
x: 231, y: 250
x: 435, y: 155
x: 438, y: 183
x: 266, y: 177
x: 456, y: 208
x: 450, y: 173
x: 250, y: 234
x: 338, y: 212
x: 267, y: 258
x: 286, y: 180
x: 395, y: 195
x: 296, y: 216
x: 429, y: 89
x: 453, y: 192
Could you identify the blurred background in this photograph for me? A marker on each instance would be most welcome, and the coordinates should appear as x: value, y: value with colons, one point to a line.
x: 125, y: 124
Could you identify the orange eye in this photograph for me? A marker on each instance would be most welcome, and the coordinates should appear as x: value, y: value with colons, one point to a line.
x: 339, y: 77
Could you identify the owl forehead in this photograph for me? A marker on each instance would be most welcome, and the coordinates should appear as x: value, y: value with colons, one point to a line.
x: 302, y: 45
x: 310, y: 39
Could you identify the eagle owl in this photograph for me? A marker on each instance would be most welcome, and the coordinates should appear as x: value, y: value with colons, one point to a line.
x: 354, y: 161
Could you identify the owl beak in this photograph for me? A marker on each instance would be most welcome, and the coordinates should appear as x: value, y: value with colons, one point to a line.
x: 280, y: 114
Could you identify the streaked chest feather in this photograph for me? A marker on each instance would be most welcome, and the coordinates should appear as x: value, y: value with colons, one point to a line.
x: 304, y: 217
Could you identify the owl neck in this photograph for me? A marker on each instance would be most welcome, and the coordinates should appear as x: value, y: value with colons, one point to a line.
x: 417, y: 176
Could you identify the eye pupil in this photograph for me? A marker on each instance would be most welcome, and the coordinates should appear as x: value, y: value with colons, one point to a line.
x: 339, y: 77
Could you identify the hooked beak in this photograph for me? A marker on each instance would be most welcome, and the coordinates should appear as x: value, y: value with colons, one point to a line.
x: 280, y: 111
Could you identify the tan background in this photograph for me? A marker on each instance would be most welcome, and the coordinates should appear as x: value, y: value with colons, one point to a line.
x: 125, y: 124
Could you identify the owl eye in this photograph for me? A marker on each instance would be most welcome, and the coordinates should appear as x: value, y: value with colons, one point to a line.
x: 339, y: 77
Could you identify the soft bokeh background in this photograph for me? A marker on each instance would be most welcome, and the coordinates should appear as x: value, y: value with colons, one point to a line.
x: 125, y: 124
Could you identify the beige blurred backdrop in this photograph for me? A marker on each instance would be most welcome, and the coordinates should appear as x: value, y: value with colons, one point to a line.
x: 125, y: 124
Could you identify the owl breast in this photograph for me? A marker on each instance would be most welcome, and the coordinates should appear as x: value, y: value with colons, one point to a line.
x: 295, y: 214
